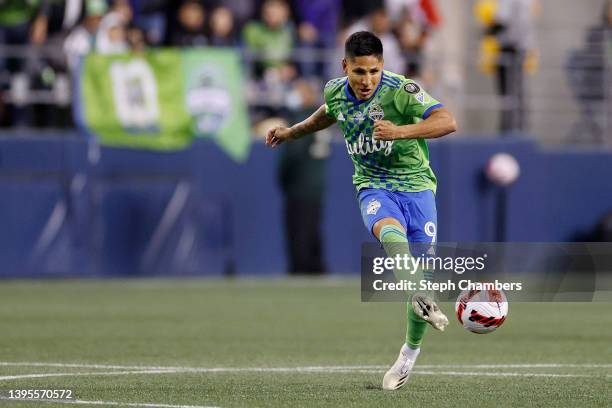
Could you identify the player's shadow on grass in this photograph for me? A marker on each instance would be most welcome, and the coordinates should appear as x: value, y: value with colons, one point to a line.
x: 373, y: 386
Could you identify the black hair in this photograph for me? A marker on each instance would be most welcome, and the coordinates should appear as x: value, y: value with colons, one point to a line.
x: 363, y: 43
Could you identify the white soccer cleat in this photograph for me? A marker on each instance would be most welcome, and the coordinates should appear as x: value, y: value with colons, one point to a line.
x: 429, y: 311
x: 399, y: 372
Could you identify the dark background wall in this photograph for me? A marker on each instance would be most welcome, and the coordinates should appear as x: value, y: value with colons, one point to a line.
x: 71, y: 209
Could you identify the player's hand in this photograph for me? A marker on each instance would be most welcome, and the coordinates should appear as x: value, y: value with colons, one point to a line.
x: 385, y: 130
x: 278, y: 135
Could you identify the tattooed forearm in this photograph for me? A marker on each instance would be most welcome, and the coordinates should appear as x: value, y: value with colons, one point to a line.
x: 315, y: 122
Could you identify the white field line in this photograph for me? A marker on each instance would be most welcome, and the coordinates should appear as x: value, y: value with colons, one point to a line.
x: 77, y: 374
x: 206, y: 283
x: 283, y: 369
x: 548, y: 365
x: 480, y: 374
x: 79, y: 365
x: 314, y: 369
x: 361, y: 371
x: 106, y: 403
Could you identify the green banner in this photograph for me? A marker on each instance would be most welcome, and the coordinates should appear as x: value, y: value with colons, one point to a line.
x: 164, y: 98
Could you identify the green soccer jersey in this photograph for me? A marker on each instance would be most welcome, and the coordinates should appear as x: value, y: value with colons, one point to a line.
x: 400, y: 165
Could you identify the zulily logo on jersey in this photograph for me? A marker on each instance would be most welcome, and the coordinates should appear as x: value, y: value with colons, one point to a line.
x: 363, y: 146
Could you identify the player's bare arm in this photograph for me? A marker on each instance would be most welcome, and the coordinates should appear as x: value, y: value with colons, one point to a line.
x: 439, y: 123
x: 315, y: 122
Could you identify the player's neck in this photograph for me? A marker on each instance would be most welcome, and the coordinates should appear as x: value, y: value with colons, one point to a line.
x: 350, y: 90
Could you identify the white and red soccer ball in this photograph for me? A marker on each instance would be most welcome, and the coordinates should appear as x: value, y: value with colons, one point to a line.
x: 481, y: 311
x: 502, y: 169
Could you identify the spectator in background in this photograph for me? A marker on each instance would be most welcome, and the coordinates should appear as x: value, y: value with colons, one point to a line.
x: 222, y: 33
x: 149, y: 16
x: 40, y: 24
x: 136, y: 39
x: 600, y: 39
x: 412, y: 40
x: 413, y: 21
x: 309, y: 58
x: 54, y: 21
x: 514, y: 33
x: 589, y: 70
x: 191, y: 19
x: 317, y: 27
x: 319, y: 20
x: 15, y: 23
x: 15, y: 19
x: 355, y: 10
x: 271, y: 41
x: 81, y: 40
x: 379, y: 23
x: 601, y: 35
x: 55, y: 18
x: 242, y: 11
x: 423, y: 12
x: 301, y: 173
x: 112, y: 33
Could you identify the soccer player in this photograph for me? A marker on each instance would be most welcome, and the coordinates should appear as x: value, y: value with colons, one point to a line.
x: 385, y: 119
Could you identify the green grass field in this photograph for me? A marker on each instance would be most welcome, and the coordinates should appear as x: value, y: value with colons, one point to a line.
x: 286, y: 343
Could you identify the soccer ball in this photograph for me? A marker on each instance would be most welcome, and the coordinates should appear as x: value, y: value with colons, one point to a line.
x: 481, y: 311
x: 502, y: 169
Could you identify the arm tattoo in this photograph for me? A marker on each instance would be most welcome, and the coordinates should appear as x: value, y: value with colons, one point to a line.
x: 315, y: 122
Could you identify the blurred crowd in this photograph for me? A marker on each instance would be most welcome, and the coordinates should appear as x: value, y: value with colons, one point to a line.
x: 41, y: 42
x: 589, y: 70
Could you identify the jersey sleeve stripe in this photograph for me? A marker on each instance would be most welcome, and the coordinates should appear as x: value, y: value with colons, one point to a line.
x: 392, y: 80
x: 335, y: 82
x: 431, y: 108
x: 393, y: 75
x: 391, y: 84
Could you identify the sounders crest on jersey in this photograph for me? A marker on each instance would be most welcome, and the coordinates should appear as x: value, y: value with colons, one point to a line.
x: 375, y: 112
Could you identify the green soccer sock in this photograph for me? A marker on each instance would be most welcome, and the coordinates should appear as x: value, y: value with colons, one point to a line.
x: 394, y: 240
x: 415, y: 329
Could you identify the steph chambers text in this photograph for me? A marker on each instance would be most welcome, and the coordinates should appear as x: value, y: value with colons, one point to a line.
x: 404, y: 284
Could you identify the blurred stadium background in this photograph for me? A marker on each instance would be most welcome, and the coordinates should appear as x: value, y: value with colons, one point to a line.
x: 147, y: 180
x: 131, y: 146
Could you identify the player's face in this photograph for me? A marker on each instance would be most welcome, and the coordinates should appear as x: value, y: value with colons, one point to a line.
x: 364, y: 74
